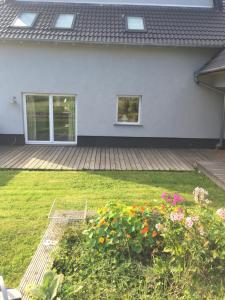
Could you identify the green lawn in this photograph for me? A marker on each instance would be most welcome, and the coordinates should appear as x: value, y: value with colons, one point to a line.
x: 26, y: 197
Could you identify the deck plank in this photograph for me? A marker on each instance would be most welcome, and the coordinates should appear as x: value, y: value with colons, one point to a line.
x: 88, y: 159
x: 92, y: 159
x: 99, y: 159
x: 121, y: 159
x: 75, y: 161
x: 126, y: 159
x: 64, y: 162
x: 117, y: 159
x: 112, y: 159
x: 83, y: 158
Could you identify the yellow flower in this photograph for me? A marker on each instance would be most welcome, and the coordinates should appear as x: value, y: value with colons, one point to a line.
x: 146, y: 223
x: 101, y: 240
x: 101, y: 222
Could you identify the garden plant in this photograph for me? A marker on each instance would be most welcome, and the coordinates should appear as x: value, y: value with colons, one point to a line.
x: 166, y: 251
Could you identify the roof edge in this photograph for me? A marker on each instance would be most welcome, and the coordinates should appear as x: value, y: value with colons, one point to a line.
x: 201, y: 71
x: 74, y: 42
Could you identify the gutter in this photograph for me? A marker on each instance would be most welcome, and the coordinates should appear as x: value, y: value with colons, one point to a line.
x: 220, y: 145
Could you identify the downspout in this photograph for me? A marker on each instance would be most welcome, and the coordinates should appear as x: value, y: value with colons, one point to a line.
x: 220, y: 145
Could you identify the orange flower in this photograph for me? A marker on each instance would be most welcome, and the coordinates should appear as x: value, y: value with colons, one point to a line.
x: 128, y: 236
x: 144, y: 230
x: 163, y: 206
x: 154, y: 234
x: 101, y: 222
x: 142, y: 209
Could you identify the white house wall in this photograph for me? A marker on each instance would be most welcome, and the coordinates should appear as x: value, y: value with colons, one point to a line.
x: 172, y: 104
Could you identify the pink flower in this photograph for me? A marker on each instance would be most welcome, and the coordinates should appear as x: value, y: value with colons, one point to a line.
x: 176, y: 199
x: 221, y: 213
x: 189, y: 222
x: 176, y: 216
x: 172, y: 199
x: 164, y: 195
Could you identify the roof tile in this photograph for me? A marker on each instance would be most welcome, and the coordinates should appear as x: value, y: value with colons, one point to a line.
x: 169, y: 26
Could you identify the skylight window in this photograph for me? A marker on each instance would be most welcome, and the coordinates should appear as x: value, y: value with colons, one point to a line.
x: 25, y: 19
x: 64, y: 21
x: 135, y: 23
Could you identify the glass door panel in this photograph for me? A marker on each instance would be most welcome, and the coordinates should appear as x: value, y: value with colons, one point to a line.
x: 64, y: 118
x: 37, y: 112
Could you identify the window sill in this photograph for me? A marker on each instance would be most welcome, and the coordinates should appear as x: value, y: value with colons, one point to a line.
x: 128, y: 124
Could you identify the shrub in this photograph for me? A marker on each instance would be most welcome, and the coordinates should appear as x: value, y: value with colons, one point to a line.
x: 132, y: 252
x: 126, y: 230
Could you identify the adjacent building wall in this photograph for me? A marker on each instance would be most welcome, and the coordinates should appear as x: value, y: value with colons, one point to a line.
x: 173, y: 106
x: 185, y: 3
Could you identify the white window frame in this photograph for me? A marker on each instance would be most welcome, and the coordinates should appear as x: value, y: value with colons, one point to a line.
x: 136, y: 29
x: 64, y: 14
x: 139, y: 111
x: 25, y: 12
x: 51, y: 119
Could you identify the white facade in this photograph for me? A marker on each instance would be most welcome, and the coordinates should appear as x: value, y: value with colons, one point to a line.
x: 173, y: 106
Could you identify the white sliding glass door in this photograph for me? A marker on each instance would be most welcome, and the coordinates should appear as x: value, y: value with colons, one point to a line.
x: 50, y: 119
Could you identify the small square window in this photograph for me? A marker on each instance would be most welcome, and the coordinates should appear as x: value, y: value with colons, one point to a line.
x: 64, y: 21
x: 25, y: 19
x: 135, y: 23
x: 128, y: 109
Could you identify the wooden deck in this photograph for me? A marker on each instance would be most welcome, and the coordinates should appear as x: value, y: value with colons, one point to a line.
x: 31, y: 157
x: 215, y: 170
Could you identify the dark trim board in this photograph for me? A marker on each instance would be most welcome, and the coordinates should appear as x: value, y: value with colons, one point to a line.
x: 146, y: 142
x: 109, y: 141
x: 12, y: 139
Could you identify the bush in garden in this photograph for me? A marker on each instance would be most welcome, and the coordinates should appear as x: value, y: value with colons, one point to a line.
x: 126, y: 230
x: 138, y: 252
x: 170, y: 232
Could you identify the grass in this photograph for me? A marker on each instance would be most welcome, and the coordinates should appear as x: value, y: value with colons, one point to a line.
x: 26, y: 197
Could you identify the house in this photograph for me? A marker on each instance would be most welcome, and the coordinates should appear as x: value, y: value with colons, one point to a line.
x: 112, y: 72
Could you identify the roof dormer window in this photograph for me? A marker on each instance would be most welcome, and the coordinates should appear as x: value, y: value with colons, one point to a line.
x: 64, y: 21
x: 25, y: 19
x: 135, y: 23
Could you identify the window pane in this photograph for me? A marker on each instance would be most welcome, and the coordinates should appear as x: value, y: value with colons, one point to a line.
x: 64, y: 118
x: 25, y: 19
x: 37, y: 118
x: 64, y: 21
x: 128, y: 109
x: 135, y: 23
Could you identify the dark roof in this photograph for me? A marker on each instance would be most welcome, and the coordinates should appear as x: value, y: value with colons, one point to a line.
x: 168, y: 26
x: 215, y: 64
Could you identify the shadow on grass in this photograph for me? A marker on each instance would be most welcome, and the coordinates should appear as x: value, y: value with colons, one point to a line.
x: 7, y: 175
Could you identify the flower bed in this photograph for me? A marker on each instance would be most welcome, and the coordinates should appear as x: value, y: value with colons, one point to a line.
x: 133, y: 252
